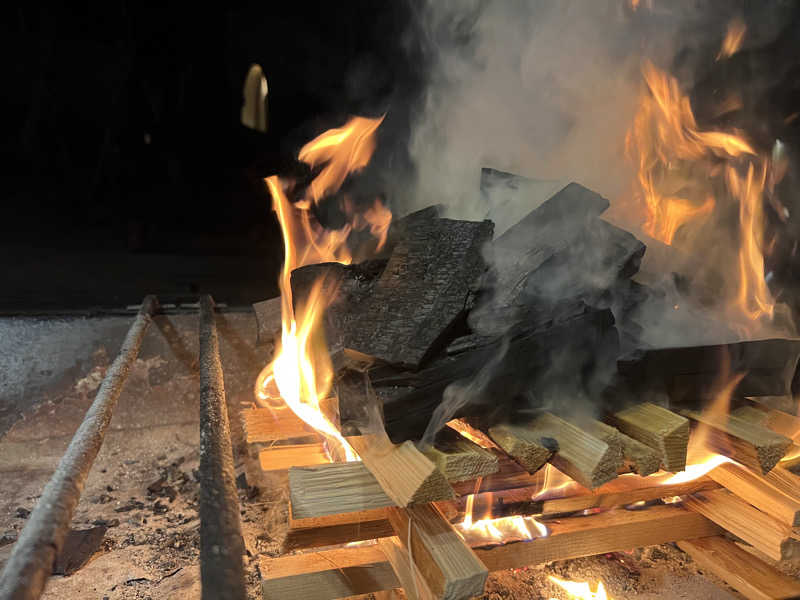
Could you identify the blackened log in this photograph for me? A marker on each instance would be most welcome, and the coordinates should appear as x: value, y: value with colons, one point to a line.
x: 692, y: 373
x: 404, y: 310
x: 564, y: 358
x: 589, y: 267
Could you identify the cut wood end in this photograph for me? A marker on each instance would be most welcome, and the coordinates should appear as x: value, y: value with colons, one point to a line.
x: 529, y: 453
x: 435, y: 487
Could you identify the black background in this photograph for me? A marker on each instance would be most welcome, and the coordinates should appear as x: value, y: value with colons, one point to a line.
x: 93, y: 216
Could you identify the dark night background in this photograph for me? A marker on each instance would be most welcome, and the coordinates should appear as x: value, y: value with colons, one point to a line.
x: 93, y: 216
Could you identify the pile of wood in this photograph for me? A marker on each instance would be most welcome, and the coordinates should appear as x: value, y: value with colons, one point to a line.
x: 405, y: 504
x: 515, y: 352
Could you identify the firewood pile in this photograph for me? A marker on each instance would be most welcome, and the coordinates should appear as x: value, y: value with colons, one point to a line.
x: 471, y: 367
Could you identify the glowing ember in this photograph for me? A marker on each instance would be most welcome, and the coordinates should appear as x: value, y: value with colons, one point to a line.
x: 301, y: 372
x: 733, y: 39
x: 672, y: 499
x: 581, y: 590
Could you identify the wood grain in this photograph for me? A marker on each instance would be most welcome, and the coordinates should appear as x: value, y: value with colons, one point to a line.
x: 657, y: 427
x: 750, y: 576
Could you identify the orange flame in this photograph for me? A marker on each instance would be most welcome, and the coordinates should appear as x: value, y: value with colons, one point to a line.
x: 733, y: 39
x: 685, y: 173
x: 500, y: 530
x: 701, y: 457
x: 301, y: 373
x: 581, y: 590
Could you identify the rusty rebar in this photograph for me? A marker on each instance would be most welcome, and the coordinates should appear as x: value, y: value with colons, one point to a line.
x: 221, y: 544
x: 31, y: 562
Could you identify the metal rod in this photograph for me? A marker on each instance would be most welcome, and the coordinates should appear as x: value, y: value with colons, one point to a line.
x: 31, y: 561
x: 221, y: 544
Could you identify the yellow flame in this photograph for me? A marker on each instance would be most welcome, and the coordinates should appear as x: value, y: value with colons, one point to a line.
x: 581, y: 590
x: 555, y: 484
x: 734, y: 37
x: 301, y: 373
x: 488, y: 530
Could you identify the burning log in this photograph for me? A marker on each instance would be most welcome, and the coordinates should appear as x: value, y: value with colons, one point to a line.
x: 404, y: 473
x: 752, y: 445
x: 308, y: 530
x: 662, y: 430
x: 747, y: 574
x: 458, y: 458
x: 448, y: 566
x: 401, y: 311
x: 760, y: 492
x: 758, y: 529
x: 690, y: 373
x: 526, y: 359
x: 270, y: 424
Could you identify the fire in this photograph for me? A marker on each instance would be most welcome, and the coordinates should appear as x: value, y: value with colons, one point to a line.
x: 555, y: 484
x: 301, y: 373
x: 687, y: 175
x: 733, y: 39
x: 500, y: 530
x: 700, y: 457
x: 581, y: 590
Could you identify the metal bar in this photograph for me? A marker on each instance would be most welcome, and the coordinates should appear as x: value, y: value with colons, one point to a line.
x: 31, y: 561
x: 221, y: 544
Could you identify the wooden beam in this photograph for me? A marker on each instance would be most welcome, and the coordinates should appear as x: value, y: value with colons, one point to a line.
x: 778, y: 421
x: 334, y: 489
x: 760, y: 492
x: 569, y: 538
x: 405, y: 474
x: 414, y: 584
x: 281, y: 458
x: 327, y: 575
x: 752, y: 445
x: 448, y: 566
x: 641, y: 459
x: 368, y: 524
x: 610, y: 531
x: 662, y: 430
x: 263, y: 425
x: 748, y: 575
x: 458, y: 458
x: 268, y: 425
x: 767, y: 534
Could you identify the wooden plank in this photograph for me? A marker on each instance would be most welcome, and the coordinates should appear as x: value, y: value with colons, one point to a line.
x: 569, y: 538
x: 778, y: 421
x: 413, y: 582
x: 369, y: 524
x: 610, y: 531
x: 752, y: 445
x: 405, y: 474
x: 458, y: 458
x: 758, y: 529
x: 326, y: 575
x: 760, y: 492
x: 268, y: 425
x: 281, y: 458
x: 750, y: 576
x: 662, y: 430
x: 447, y: 565
x: 334, y: 488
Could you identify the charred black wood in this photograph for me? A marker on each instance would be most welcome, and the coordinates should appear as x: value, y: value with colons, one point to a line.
x: 527, y: 366
x: 408, y: 308
x: 692, y: 373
